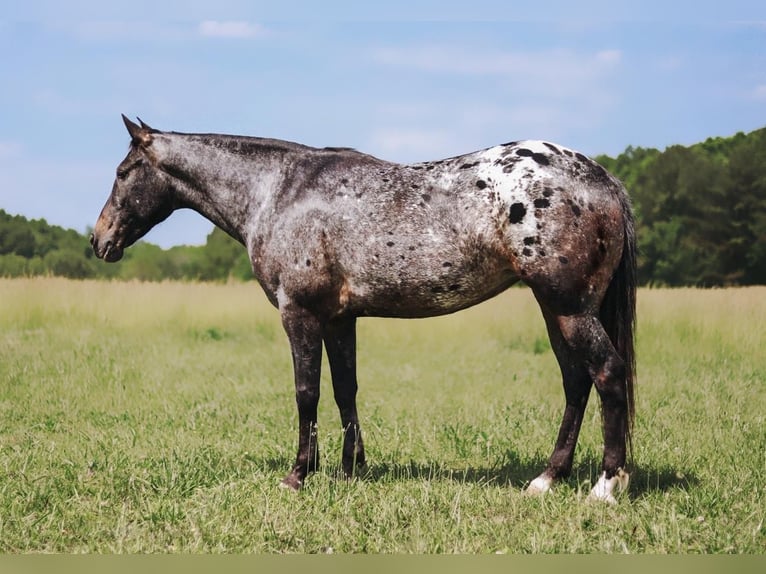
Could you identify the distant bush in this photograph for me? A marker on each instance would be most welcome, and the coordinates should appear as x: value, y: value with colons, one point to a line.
x: 12, y: 265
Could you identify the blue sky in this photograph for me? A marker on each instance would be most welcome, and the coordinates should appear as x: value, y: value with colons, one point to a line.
x: 406, y: 81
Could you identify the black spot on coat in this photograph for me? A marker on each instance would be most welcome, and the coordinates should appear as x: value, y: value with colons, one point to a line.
x: 582, y: 157
x: 517, y: 213
x: 552, y: 147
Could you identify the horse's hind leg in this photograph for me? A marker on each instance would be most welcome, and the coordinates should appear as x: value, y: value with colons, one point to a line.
x: 340, y: 342
x: 577, y: 384
x: 586, y: 348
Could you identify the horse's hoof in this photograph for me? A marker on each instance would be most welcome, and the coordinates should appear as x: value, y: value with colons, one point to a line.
x: 539, y: 486
x: 359, y: 472
x: 606, y: 488
x: 291, y: 483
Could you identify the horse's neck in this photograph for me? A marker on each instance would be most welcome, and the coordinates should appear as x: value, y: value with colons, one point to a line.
x: 224, y: 186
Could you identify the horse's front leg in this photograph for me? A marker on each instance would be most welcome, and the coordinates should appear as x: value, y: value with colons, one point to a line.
x: 340, y: 343
x: 305, y: 334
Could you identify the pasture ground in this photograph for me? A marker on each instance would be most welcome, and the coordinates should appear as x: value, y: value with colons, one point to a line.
x: 139, y: 417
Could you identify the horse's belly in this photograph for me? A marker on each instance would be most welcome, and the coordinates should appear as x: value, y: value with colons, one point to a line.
x: 412, y: 294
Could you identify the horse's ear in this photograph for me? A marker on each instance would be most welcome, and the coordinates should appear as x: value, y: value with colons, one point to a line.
x: 145, y: 126
x: 139, y: 135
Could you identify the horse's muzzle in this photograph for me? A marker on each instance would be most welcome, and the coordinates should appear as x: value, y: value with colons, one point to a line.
x: 106, y: 250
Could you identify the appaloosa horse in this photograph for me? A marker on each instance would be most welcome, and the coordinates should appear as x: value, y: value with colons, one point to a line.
x: 334, y: 234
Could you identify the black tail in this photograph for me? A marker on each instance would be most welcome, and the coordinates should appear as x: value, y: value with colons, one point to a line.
x: 618, y: 311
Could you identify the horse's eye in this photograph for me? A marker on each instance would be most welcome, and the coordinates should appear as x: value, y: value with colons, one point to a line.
x: 123, y: 172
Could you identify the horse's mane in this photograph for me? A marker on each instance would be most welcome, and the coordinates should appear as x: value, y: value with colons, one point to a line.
x: 251, y: 145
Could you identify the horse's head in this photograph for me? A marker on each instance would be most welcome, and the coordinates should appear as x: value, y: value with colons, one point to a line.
x: 142, y: 196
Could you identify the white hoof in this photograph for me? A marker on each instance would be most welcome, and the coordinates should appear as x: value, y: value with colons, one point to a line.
x: 606, y: 488
x: 540, y: 485
x: 285, y: 486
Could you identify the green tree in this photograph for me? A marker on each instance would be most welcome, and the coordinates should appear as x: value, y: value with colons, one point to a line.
x: 16, y: 237
x: 699, y: 210
x: 68, y: 263
x: 12, y: 265
x: 221, y: 258
x: 745, y: 252
x: 148, y: 262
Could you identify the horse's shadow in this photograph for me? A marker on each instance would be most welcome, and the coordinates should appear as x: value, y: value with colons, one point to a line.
x: 515, y: 472
x: 645, y: 480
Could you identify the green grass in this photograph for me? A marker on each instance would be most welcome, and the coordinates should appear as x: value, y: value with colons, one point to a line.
x: 161, y: 417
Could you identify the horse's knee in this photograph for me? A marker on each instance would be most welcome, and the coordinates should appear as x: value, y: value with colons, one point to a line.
x: 307, y: 399
x: 609, y: 381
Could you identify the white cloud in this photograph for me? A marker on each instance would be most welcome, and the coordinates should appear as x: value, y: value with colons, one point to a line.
x: 756, y: 24
x: 230, y: 29
x: 9, y: 150
x: 670, y: 63
x: 609, y: 57
x: 122, y: 31
x: 417, y: 132
x: 557, y: 94
x: 559, y: 73
x: 412, y: 144
x: 759, y: 93
x: 447, y: 59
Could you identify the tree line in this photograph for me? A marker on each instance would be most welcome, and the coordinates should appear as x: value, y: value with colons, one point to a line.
x: 33, y: 247
x: 700, y: 210
x: 700, y: 218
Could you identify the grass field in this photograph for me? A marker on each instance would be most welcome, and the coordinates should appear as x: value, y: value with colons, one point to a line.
x: 161, y: 417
